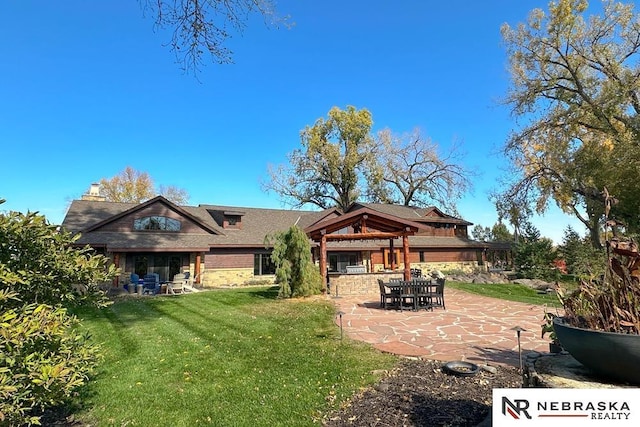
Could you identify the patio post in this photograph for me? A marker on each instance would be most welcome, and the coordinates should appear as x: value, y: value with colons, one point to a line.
x: 116, y: 263
x: 405, y: 255
x: 323, y: 259
x: 393, y: 258
x: 197, y: 268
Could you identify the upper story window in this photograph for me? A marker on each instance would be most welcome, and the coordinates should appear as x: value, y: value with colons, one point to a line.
x: 162, y: 223
x: 232, y: 219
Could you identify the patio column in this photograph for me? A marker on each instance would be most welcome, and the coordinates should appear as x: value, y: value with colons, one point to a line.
x: 392, y: 255
x: 116, y: 263
x: 323, y: 260
x: 196, y: 272
x: 405, y: 254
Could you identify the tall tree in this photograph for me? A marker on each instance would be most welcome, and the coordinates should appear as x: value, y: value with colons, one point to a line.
x: 408, y: 170
x: 200, y: 26
x: 329, y: 169
x: 580, y: 257
x: 534, y: 255
x: 501, y: 233
x: 577, y: 83
x: 132, y: 186
x: 481, y: 234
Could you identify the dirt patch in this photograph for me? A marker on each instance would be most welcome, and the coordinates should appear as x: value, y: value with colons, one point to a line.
x: 421, y: 393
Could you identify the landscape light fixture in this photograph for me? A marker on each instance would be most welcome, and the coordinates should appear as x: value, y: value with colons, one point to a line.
x: 340, y: 313
x: 519, y: 329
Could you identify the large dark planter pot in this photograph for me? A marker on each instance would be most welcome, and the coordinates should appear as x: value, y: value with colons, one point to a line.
x: 608, y: 354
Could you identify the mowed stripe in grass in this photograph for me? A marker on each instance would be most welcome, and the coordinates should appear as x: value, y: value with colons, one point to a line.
x: 228, y: 358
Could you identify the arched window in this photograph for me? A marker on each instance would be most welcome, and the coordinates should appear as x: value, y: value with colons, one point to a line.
x: 162, y: 223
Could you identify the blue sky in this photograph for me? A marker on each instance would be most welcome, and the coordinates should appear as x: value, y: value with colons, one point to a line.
x: 88, y: 88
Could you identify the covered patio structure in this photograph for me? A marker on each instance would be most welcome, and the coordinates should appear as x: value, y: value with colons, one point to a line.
x: 364, y: 224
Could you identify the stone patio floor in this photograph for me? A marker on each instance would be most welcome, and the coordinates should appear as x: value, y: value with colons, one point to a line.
x: 472, y: 328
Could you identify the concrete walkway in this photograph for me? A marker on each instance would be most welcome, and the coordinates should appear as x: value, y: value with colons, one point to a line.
x: 472, y: 328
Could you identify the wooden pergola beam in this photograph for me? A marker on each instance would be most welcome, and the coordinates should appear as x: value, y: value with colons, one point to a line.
x: 363, y: 236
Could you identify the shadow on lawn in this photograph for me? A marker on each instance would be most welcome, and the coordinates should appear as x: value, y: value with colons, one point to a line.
x: 265, y: 293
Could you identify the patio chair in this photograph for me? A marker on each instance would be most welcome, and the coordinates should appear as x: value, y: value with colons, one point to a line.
x: 386, y: 295
x: 407, y: 295
x: 151, y: 283
x: 438, y: 296
x: 134, y: 279
x: 177, y: 284
x: 424, y: 294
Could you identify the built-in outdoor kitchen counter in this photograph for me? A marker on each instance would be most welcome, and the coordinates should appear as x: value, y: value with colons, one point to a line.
x: 357, y: 282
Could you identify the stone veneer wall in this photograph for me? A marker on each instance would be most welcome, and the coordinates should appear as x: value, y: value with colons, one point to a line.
x: 426, y: 267
x: 359, y: 284
x: 226, y: 277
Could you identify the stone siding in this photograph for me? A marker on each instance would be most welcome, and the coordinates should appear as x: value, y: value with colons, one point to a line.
x: 358, y: 284
x: 231, y: 277
x: 426, y: 267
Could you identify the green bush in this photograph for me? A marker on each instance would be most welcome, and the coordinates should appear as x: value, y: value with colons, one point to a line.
x: 43, y: 359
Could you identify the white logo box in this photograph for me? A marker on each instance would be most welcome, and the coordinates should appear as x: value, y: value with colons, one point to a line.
x: 566, y: 407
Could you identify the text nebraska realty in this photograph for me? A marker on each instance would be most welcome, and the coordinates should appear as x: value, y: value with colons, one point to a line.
x: 595, y: 410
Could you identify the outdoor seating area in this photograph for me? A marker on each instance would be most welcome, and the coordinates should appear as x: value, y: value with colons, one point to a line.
x: 416, y: 294
x: 150, y: 284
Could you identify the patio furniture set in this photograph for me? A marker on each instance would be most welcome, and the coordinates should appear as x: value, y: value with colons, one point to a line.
x: 150, y: 284
x: 415, y: 294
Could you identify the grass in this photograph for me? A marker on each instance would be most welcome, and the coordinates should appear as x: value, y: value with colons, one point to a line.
x: 510, y: 292
x: 232, y: 358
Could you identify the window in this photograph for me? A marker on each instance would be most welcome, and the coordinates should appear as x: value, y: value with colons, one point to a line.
x: 387, y: 258
x: 156, y: 223
x: 339, y: 262
x: 421, y: 256
x: 262, y: 265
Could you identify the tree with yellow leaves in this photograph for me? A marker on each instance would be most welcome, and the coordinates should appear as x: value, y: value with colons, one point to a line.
x: 576, y: 82
x: 132, y: 186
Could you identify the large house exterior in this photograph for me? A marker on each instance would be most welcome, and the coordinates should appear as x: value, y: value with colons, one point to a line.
x: 225, y: 245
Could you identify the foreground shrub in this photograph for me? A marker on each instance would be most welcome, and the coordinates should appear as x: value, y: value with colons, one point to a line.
x: 611, y: 303
x: 43, y: 361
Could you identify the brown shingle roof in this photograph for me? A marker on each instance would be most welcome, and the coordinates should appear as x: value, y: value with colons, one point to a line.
x: 256, y: 224
x: 412, y: 213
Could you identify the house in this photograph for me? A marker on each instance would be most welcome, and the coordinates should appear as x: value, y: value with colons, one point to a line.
x: 222, y: 245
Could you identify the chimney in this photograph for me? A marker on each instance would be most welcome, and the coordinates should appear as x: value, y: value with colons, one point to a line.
x: 94, y: 194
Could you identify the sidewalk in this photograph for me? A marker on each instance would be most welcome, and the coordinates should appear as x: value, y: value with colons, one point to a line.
x: 472, y: 328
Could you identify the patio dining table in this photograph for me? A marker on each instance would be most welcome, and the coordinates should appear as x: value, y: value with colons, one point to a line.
x: 415, y: 294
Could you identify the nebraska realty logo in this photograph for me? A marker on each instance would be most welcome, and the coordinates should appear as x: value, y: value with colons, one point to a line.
x: 566, y: 407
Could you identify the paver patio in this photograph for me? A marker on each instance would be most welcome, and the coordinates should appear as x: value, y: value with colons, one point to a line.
x: 472, y: 328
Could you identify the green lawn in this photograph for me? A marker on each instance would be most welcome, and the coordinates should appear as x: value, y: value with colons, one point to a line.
x: 510, y: 292
x: 225, y: 358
